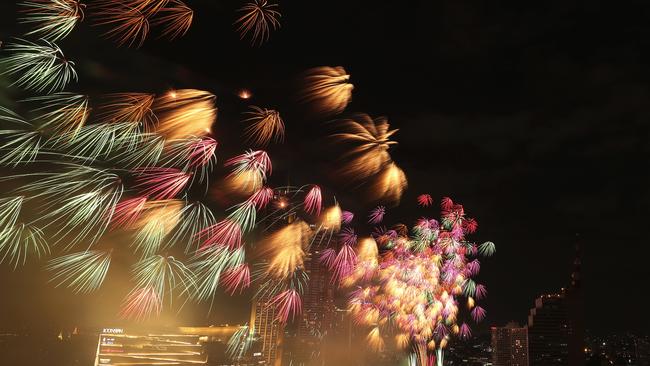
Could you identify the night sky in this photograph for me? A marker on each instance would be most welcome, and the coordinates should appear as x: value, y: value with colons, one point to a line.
x: 534, y: 115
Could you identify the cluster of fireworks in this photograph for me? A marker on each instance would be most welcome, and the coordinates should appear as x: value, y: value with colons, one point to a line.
x: 412, y: 288
x: 88, y: 170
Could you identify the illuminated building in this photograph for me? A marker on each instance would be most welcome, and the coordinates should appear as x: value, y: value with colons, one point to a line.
x: 317, y: 318
x: 117, y: 347
x: 268, y: 331
x: 555, y: 325
x: 510, y: 345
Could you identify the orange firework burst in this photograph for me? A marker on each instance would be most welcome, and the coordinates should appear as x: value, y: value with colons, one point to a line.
x: 265, y: 125
x: 185, y: 113
x: 371, y: 139
x: 128, y: 108
x: 287, y: 248
x: 327, y: 89
x: 389, y: 185
x: 176, y: 18
x: 128, y: 23
x: 258, y: 17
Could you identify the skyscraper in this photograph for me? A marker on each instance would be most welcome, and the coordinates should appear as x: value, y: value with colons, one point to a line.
x: 555, y: 325
x: 268, y: 330
x: 510, y: 345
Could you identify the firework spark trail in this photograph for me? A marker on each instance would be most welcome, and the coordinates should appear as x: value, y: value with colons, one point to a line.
x: 195, y: 155
x: 240, y: 342
x: 127, y: 25
x: 266, y: 125
x: 161, y: 183
x: 133, y: 108
x: 63, y: 113
x: 252, y: 161
x: 425, y: 200
x: 157, y: 278
x: 157, y: 220
x: 226, y: 233
x: 313, y: 201
x: 21, y: 240
x: 327, y: 89
x: 257, y: 19
x: 288, y: 303
x: 22, y: 142
x: 141, y: 304
x: 81, y: 201
x: 41, y: 68
x: 347, y: 217
x: 377, y: 215
x: 52, y: 19
x: 175, y: 18
x: 193, y: 218
x: 209, y: 264
x: 237, y: 279
x: 82, y: 272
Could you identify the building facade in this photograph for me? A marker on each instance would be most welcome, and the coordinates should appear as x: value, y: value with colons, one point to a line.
x: 118, y: 347
x: 510, y: 345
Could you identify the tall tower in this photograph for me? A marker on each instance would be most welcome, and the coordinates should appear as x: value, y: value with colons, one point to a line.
x: 556, y: 325
x: 510, y: 345
x: 269, y: 331
x: 575, y: 312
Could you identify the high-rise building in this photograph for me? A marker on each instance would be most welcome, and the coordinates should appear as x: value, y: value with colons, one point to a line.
x: 317, y: 318
x: 642, y: 348
x: 117, y: 347
x: 555, y: 325
x: 510, y: 345
x: 268, y: 330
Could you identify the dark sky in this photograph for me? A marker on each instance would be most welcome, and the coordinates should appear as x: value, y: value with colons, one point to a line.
x: 534, y: 115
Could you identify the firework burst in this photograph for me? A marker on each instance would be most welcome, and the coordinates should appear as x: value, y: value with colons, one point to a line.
x: 257, y: 19
x: 175, y: 18
x: 265, y: 126
x: 52, y: 19
x: 327, y: 89
x: 42, y: 68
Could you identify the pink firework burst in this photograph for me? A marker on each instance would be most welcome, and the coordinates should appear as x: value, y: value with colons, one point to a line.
x: 327, y: 257
x: 344, y: 263
x: 128, y: 212
x: 478, y: 314
x: 288, y: 303
x: 257, y: 160
x: 465, y: 332
x: 347, y: 217
x: 473, y: 267
x: 313, y: 201
x: 237, y: 278
x: 377, y: 215
x: 141, y: 304
x: 425, y: 200
x: 202, y: 152
x: 161, y: 183
x: 480, y: 292
x: 348, y: 236
x: 224, y: 233
x: 262, y: 197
